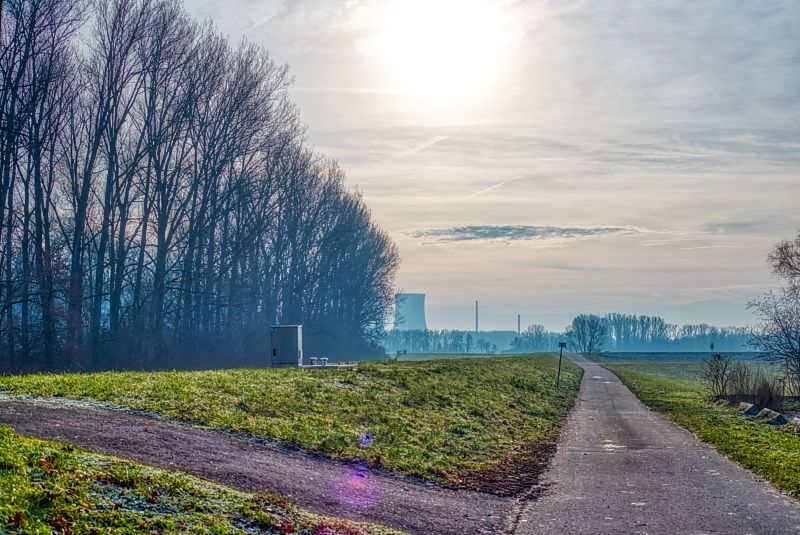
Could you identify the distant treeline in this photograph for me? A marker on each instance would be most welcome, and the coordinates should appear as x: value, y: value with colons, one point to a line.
x: 630, y: 332
x: 535, y: 338
x: 623, y: 332
x: 447, y: 341
x: 159, y: 205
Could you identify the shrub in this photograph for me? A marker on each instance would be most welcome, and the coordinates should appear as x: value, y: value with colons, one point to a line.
x: 740, y: 382
x: 767, y: 390
x: 755, y: 386
x: 716, y: 375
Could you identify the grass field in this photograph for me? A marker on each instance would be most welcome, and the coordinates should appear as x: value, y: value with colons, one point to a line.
x: 681, y: 366
x: 458, y: 422
x: 672, y: 389
x: 414, y: 357
x: 55, y: 488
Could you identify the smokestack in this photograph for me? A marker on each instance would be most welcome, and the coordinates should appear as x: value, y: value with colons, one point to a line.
x: 476, y: 316
x: 519, y: 324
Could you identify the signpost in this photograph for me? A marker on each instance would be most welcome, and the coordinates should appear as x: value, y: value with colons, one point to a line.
x: 561, y: 346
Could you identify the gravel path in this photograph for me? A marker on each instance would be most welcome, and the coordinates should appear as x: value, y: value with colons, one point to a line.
x: 621, y: 468
x: 320, y: 485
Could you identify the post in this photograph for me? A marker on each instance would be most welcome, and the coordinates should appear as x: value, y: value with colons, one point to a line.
x: 561, y: 346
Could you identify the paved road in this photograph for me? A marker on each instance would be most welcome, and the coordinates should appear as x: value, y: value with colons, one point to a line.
x: 323, y: 486
x: 621, y: 468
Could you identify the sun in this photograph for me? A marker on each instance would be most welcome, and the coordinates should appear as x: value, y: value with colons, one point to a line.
x: 442, y: 48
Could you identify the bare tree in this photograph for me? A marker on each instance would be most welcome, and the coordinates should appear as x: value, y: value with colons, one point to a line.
x: 35, y: 64
x: 785, y: 260
x: 777, y: 334
x: 716, y: 375
x: 587, y: 333
x: 535, y: 338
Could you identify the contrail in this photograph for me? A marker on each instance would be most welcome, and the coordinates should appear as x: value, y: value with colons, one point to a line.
x: 422, y: 146
x: 490, y: 188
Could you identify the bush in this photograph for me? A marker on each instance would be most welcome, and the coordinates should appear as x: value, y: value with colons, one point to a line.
x: 716, y: 375
x: 755, y: 386
x: 767, y: 390
x: 740, y: 382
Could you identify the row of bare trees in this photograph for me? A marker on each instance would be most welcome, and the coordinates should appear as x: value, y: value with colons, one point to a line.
x: 158, y: 203
x: 536, y: 338
x: 430, y: 341
x: 589, y: 333
x: 631, y: 332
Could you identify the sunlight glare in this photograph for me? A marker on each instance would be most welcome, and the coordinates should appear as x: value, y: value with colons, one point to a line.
x: 442, y: 48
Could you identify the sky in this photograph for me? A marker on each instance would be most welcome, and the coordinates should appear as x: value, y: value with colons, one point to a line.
x: 550, y: 158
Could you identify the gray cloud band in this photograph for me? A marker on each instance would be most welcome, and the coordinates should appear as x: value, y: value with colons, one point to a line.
x: 516, y: 232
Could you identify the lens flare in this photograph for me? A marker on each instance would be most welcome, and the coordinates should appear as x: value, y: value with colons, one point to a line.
x: 365, y: 440
x: 355, y: 489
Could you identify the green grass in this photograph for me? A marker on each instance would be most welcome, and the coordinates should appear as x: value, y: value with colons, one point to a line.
x: 414, y: 357
x: 673, y: 390
x: 55, y: 488
x: 442, y: 420
x: 683, y: 370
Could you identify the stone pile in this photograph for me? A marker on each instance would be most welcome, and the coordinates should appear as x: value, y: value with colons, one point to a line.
x: 747, y: 409
x: 793, y: 426
x: 790, y: 423
x: 770, y: 417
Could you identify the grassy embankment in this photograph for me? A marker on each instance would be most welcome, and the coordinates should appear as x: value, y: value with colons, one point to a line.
x: 474, y: 423
x: 55, y: 488
x: 672, y: 388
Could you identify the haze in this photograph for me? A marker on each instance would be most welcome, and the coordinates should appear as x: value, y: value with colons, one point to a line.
x: 551, y: 158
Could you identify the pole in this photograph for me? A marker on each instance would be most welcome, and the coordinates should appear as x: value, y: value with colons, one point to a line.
x: 561, y: 346
x: 560, y: 355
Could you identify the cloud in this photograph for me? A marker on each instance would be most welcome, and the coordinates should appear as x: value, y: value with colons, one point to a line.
x: 508, y: 233
x: 699, y: 247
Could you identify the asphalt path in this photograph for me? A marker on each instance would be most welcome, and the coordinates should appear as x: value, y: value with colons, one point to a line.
x: 621, y: 468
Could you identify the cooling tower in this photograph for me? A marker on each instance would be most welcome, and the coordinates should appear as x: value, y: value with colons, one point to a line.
x: 409, y: 312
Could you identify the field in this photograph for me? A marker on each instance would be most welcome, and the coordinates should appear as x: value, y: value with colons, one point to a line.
x: 415, y: 357
x: 55, y: 488
x: 459, y: 422
x: 671, y: 387
x: 682, y: 366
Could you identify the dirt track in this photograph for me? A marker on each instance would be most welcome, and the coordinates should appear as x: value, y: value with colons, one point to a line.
x: 321, y: 485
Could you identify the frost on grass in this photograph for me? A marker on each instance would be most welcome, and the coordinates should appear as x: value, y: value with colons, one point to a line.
x: 47, y: 487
